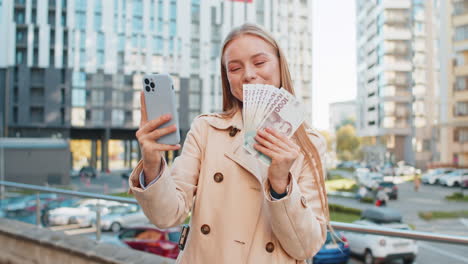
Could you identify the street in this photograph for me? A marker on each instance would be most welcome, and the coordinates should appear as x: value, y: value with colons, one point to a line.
x: 428, y: 198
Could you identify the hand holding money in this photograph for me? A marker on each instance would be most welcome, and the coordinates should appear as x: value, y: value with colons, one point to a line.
x: 282, y: 152
x: 271, y: 116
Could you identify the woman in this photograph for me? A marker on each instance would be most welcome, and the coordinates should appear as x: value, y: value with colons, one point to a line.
x: 242, y: 210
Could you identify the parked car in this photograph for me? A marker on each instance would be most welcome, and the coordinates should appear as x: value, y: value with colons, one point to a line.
x: 454, y: 178
x: 404, y: 170
x: 387, y: 169
x: 377, y: 248
x: 360, y: 173
x: 64, y: 202
x: 390, y: 189
x: 150, y: 239
x: 122, y: 216
x: 20, y: 203
x: 82, y: 212
x: 465, y: 183
x: 125, y: 174
x: 371, y: 180
x: 88, y: 171
x: 332, y: 252
x: 74, y: 173
x: 432, y: 176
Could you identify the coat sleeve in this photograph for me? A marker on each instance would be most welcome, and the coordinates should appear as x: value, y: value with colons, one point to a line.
x: 168, y: 201
x: 298, y: 220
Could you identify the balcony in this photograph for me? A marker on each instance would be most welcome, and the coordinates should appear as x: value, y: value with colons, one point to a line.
x: 461, y: 70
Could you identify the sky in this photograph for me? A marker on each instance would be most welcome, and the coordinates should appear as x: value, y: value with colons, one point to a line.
x: 334, y: 57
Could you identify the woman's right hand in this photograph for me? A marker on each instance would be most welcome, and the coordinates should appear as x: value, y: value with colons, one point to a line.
x: 147, y: 136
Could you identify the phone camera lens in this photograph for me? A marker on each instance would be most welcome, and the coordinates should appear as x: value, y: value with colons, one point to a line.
x: 152, y: 85
x: 146, y: 81
x: 148, y: 88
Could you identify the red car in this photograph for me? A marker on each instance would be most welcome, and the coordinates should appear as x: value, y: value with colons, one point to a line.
x: 153, y: 240
x: 465, y: 183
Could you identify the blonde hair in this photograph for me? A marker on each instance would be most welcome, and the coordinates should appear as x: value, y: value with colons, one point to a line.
x: 231, y: 105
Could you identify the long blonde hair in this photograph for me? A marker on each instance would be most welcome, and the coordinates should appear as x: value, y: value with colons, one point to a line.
x: 231, y: 105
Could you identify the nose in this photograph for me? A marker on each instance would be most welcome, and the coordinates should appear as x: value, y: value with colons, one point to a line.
x: 249, y: 74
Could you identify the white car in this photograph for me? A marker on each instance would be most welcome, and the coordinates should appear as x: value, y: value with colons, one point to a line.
x: 432, y: 176
x: 82, y: 213
x: 377, y: 248
x: 454, y: 178
x: 371, y: 180
x: 123, y: 216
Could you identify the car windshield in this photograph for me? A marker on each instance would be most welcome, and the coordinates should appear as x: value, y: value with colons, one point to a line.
x: 387, y: 184
x: 118, y: 209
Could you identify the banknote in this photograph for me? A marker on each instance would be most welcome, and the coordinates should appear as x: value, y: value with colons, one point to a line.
x: 268, y: 106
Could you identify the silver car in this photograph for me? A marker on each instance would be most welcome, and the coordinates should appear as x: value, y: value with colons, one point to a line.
x: 123, y: 216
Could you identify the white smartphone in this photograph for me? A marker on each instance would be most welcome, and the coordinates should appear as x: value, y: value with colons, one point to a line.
x: 160, y: 99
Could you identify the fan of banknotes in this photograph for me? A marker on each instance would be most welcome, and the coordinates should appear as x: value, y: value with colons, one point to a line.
x: 266, y: 106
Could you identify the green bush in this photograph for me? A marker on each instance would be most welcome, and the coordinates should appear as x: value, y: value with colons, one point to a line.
x: 368, y: 200
x: 457, y: 197
x: 344, y: 209
x: 352, y: 189
x: 442, y: 214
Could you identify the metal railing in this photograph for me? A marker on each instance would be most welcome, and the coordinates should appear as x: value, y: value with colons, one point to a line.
x: 416, y: 235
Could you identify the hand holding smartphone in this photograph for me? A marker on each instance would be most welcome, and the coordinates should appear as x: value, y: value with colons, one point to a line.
x: 159, y: 128
x: 160, y: 99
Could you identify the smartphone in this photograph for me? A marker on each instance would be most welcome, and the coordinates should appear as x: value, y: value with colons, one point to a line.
x: 160, y: 99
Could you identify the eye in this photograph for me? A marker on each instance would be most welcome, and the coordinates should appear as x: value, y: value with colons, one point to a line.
x: 259, y: 63
x: 234, y: 69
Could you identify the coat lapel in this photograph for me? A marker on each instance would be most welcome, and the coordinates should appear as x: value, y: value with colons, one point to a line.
x: 237, y: 152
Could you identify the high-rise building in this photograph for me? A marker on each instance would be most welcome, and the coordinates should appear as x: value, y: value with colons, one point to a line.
x: 73, y: 68
x: 454, y: 82
x: 398, y: 78
x: 384, y: 75
x: 341, y: 112
x: 425, y: 82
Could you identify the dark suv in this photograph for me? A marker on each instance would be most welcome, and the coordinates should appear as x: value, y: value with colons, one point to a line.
x: 88, y: 171
x: 390, y: 188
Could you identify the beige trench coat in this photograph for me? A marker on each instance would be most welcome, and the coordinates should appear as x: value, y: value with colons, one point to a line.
x: 234, y: 219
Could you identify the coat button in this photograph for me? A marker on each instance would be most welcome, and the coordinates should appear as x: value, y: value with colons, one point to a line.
x: 205, y: 229
x: 304, y: 201
x: 218, y: 177
x: 233, y: 131
x: 270, y: 247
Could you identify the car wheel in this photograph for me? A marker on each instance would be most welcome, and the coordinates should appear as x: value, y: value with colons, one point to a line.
x: 115, y: 227
x: 368, y: 257
x: 457, y: 184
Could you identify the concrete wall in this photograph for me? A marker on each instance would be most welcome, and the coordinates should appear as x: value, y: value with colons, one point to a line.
x: 24, y: 243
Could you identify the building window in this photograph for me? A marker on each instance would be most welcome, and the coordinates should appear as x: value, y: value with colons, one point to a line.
x: 20, y: 36
x: 36, y: 114
x: 97, y: 118
x: 97, y: 21
x: 100, y: 41
x: 19, y: 16
x: 51, y: 18
x: 461, y: 33
x: 15, y: 114
x: 78, y: 97
x: 117, y: 117
x: 460, y: 84
x: 20, y: 57
x: 461, y: 109
x: 100, y: 58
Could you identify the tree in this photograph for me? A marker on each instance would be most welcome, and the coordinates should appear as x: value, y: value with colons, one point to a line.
x: 328, y: 139
x: 347, y: 143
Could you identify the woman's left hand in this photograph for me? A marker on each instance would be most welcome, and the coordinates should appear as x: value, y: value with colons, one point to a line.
x: 282, y: 151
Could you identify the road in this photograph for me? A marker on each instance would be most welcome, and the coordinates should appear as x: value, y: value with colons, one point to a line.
x: 428, y: 198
